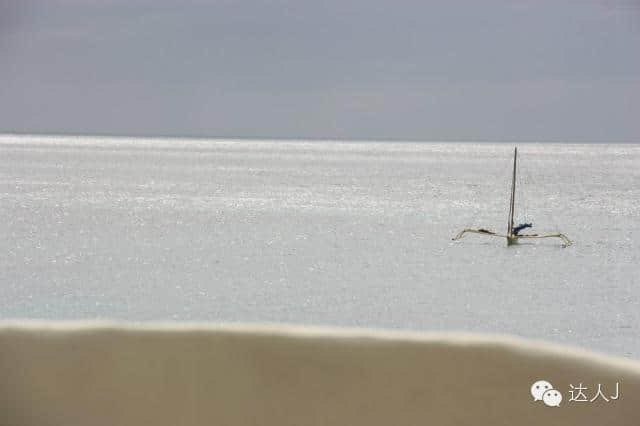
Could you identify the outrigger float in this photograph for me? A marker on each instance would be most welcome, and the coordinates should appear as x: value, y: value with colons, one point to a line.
x: 513, y: 232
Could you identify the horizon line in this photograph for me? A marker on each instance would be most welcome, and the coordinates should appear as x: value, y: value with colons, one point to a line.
x: 306, y: 139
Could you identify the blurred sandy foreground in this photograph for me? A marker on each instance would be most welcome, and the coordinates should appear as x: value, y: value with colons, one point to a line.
x: 98, y: 373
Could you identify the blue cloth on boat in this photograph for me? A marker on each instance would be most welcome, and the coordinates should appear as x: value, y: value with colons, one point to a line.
x: 521, y: 227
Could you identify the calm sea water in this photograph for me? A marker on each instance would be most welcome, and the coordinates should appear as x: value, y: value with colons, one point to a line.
x: 354, y: 234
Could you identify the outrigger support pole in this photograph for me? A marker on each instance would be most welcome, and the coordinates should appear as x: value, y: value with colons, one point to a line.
x: 566, y: 241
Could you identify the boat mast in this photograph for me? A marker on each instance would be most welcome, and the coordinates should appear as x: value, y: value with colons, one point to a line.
x: 513, y: 194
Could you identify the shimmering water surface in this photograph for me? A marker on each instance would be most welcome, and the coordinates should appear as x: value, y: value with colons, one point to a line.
x: 354, y: 234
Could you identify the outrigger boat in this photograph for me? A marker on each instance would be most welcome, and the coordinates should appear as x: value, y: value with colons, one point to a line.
x: 513, y: 232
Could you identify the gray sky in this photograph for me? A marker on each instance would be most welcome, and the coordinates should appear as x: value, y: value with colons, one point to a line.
x: 362, y: 69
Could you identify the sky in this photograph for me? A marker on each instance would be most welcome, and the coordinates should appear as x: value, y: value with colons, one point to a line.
x: 512, y: 70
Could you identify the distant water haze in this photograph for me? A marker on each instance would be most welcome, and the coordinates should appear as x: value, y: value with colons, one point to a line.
x: 354, y: 234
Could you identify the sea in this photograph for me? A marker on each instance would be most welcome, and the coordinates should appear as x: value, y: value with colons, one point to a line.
x: 325, y: 233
